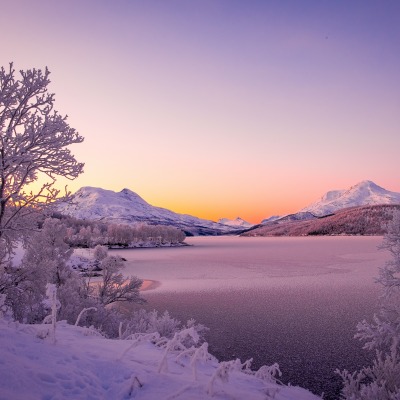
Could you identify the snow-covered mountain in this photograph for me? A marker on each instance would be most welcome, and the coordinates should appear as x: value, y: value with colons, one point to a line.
x: 362, y: 194
x: 235, y: 223
x: 272, y: 218
x: 127, y: 207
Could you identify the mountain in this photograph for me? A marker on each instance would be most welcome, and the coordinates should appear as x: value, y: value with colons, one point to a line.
x: 300, y: 216
x: 127, y: 207
x: 235, y: 223
x: 362, y: 220
x: 364, y: 193
x: 270, y: 219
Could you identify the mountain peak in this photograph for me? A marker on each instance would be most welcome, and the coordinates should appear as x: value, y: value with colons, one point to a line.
x: 363, y: 193
x: 368, y: 184
x: 237, y: 222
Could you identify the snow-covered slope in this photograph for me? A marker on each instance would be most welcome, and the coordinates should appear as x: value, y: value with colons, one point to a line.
x: 81, y: 365
x: 272, y: 218
x: 362, y: 194
x: 128, y: 207
x: 236, y: 223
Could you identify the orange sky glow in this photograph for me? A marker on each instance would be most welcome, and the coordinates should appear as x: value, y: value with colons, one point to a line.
x: 220, y: 108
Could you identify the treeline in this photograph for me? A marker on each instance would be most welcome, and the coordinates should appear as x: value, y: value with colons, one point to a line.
x: 364, y: 220
x: 82, y: 233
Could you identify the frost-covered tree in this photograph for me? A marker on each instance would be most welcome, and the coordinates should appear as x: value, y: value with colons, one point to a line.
x: 47, y: 251
x: 100, y: 252
x: 381, y: 381
x: 114, y: 287
x: 34, y: 140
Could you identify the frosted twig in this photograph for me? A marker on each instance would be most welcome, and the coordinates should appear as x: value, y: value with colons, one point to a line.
x: 140, y: 339
x: 82, y: 312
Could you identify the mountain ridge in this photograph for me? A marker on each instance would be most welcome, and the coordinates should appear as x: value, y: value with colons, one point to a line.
x: 362, y: 194
x: 128, y: 207
x: 236, y: 223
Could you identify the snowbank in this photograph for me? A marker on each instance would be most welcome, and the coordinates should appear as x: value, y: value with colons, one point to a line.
x: 84, y: 365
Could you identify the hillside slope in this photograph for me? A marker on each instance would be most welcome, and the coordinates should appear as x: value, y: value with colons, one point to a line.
x: 365, y: 220
x: 82, y: 365
x: 127, y: 207
x: 361, y: 194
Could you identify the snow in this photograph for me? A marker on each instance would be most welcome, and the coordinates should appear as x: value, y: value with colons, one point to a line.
x: 237, y: 222
x: 128, y: 207
x: 83, y: 365
x: 361, y: 194
x: 18, y: 255
x: 272, y: 218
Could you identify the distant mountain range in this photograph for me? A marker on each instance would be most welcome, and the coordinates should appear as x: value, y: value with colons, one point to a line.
x: 97, y: 204
x: 236, y: 223
x: 363, y: 220
x: 127, y: 207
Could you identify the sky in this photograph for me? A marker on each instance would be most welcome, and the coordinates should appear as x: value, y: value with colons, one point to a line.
x: 220, y: 108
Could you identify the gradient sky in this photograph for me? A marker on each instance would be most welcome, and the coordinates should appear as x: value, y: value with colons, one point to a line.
x: 220, y: 108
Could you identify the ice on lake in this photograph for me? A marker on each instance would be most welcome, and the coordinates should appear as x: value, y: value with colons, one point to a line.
x: 238, y: 262
x: 295, y: 301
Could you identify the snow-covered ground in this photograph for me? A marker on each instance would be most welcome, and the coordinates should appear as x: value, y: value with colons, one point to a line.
x: 82, y: 365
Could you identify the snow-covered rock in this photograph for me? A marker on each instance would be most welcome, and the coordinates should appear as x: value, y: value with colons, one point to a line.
x: 362, y: 194
x: 300, y: 216
x: 271, y: 219
x: 236, y: 223
x: 127, y: 207
x: 83, y: 365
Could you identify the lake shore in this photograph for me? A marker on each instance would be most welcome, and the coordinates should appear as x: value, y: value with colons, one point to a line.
x: 294, y: 301
x: 149, y: 284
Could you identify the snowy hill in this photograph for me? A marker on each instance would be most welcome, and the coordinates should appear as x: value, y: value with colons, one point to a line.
x: 364, y: 193
x: 236, y: 223
x: 270, y: 219
x: 362, y: 220
x: 128, y: 207
x: 83, y: 365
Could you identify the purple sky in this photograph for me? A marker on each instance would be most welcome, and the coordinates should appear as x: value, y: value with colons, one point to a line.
x: 221, y: 108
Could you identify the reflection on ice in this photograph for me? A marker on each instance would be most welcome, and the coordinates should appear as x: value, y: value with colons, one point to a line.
x: 223, y: 262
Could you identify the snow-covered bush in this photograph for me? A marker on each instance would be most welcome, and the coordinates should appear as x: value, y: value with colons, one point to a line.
x: 44, y: 261
x: 381, y: 381
x: 269, y: 373
x: 176, y: 343
x: 114, y: 287
x: 142, y: 321
x: 225, y: 368
x: 100, y: 252
x: 221, y: 373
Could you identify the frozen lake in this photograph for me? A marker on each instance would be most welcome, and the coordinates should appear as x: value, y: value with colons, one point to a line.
x: 294, y: 301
